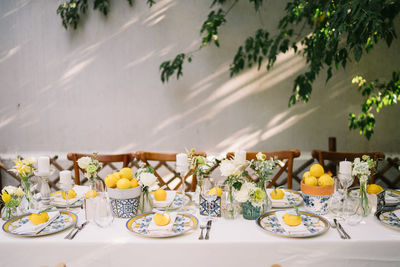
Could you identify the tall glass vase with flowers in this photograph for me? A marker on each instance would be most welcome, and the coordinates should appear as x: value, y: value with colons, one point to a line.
x: 91, y: 167
x: 11, y: 197
x: 148, y: 183
x: 362, y: 170
x: 24, y: 169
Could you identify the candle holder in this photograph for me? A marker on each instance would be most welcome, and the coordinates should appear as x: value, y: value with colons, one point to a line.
x: 44, y: 188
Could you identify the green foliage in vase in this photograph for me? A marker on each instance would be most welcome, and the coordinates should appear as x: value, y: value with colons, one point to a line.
x: 337, y: 32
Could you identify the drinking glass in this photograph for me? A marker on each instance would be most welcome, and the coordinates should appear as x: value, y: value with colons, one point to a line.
x: 352, y: 210
x: 103, y: 216
x: 208, y: 184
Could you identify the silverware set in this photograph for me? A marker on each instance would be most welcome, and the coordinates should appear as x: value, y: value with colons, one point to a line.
x: 75, y: 230
x: 340, y: 230
x: 208, y: 228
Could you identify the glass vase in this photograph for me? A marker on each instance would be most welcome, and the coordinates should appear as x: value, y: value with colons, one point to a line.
x: 146, y: 202
x: 8, y: 213
x: 96, y: 184
x: 365, y: 207
x: 26, y: 186
x: 231, y: 207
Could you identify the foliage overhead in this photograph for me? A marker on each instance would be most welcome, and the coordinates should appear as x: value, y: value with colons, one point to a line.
x: 338, y: 31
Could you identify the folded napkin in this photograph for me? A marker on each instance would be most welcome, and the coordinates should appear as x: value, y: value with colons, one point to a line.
x: 153, y: 228
x: 291, y: 230
x: 80, y: 191
x: 397, y: 213
x: 163, y: 204
x: 390, y: 199
x: 29, y: 228
x: 284, y: 200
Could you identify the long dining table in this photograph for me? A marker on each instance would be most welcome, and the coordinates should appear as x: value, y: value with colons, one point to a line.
x: 237, y: 242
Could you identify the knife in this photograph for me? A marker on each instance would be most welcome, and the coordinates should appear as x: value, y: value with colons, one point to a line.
x: 343, y: 231
x: 47, y: 224
x: 208, y: 229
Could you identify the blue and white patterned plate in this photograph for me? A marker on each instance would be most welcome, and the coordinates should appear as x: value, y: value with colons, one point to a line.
x: 179, y: 201
x: 64, y: 221
x: 388, y: 218
x: 184, y: 223
x: 293, y: 197
x: 315, y: 224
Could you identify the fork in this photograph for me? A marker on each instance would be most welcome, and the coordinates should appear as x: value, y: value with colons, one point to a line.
x: 72, y: 230
x: 202, y: 227
x: 77, y: 230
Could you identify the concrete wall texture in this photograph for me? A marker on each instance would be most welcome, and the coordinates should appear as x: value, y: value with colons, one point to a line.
x: 98, y: 88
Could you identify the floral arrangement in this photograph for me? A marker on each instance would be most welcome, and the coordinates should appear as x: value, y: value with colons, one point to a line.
x: 146, y: 177
x: 24, y: 169
x: 362, y: 170
x: 252, y: 193
x: 91, y: 166
x: 11, y: 197
x: 263, y: 168
x: 234, y: 170
x: 203, y: 166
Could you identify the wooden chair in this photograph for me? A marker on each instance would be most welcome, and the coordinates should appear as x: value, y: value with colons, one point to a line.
x: 322, y: 155
x: 104, y: 158
x: 287, y: 156
x: 163, y: 160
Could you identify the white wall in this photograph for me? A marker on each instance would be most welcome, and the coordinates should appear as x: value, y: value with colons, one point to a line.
x: 98, y: 88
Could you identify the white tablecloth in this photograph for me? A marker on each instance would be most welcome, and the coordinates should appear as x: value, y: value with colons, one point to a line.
x: 232, y: 243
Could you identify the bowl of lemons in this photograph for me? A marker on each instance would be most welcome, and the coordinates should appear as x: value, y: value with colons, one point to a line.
x: 124, y: 192
x: 317, y: 188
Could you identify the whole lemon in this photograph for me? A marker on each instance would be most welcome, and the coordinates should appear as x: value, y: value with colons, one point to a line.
x: 215, y: 191
x: 162, y: 219
x: 134, y: 182
x: 291, y: 219
x: 91, y: 194
x: 126, y: 173
x: 6, y: 197
x: 277, y: 193
x: 374, y: 189
x: 160, y: 195
x: 316, y: 170
x: 124, y: 183
x: 325, y: 180
x: 111, y: 180
x: 36, y: 218
x: 71, y: 194
x: 311, y: 180
x: 306, y: 174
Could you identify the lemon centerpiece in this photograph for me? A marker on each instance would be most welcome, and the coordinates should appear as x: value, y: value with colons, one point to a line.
x: 162, y: 219
x: 325, y: 180
x: 291, y: 219
x: 317, y: 170
x: 277, y: 193
x: 40, y: 218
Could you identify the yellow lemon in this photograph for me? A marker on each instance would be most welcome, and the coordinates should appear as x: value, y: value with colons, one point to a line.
x: 91, y: 194
x: 215, y: 191
x: 374, y: 189
x: 124, y: 183
x: 126, y: 173
x: 311, y: 180
x: 291, y: 219
x: 277, y: 193
x: 38, y: 218
x: 117, y: 175
x: 162, y: 219
x: 316, y: 170
x: 111, y: 180
x: 306, y: 174
x: 160, y: 195
x: 6, y: 197
x: 134, y: 182
x: 325, y: 180
x: 71, y: 194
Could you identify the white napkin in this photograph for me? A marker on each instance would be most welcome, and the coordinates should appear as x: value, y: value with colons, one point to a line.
x: 153, y: 228
x: 397, y: 213
x: 390, y: 199
x: 292, y: 230
x: 163, y: 204
x: 284, y: 200
x: 80, y: 191
x: 29, y: 228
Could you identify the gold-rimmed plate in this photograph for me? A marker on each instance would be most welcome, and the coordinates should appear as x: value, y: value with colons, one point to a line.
x: 315, y: 224
x: 63, y: 222
x: 184, y: 223
x: 293, y: 198
x: 387, y: 217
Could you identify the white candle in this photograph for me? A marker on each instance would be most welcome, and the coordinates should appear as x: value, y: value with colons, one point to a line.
x: 182, y: 163
x: 240, y: 155
x: 43, y: 165
x: 65, y: 177
x: 345, y: 167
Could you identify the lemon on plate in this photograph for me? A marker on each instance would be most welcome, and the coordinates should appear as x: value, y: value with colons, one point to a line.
x: 374, y: 189
x: 215, y: 191
x: 71, y: 194
x: 162, y: 219
x: 37, y: 219
x: 317, y: 170
x: 91, y: 194
x: 291, y: 219
x: 160, y: 195
x: 277, y: 193
x: 325, y: 180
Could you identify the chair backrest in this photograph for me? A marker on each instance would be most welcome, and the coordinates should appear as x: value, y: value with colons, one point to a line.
x: 165, y: 171
x: 106, y: 159
x: 322, y: 155
x: 287, y: 158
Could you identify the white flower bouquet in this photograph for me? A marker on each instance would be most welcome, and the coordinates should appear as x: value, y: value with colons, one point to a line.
x: 362, y: 170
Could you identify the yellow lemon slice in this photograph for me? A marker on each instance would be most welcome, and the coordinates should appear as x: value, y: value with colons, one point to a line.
x: 374, y: 189
x: 160, y: 195
x: 124, y: 183
x: 277, y: 193
x: 311, y: 180
x: 215, y: 191
x: 291, y: 219
x: 162, y: 219
x: 317, y: 170
x: 325, y: 180
x: 126, y: 173
x: 91, y: 194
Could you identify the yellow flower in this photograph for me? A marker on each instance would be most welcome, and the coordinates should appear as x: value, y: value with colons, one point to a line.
x: 29, y: 161
x: 21, y: 168
x: 261, y: 157
x: 6, y: 197
x: 19, y: 192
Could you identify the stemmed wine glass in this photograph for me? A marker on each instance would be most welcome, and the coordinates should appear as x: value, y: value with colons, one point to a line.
x: 208, y: 184
x: 346, y: 180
